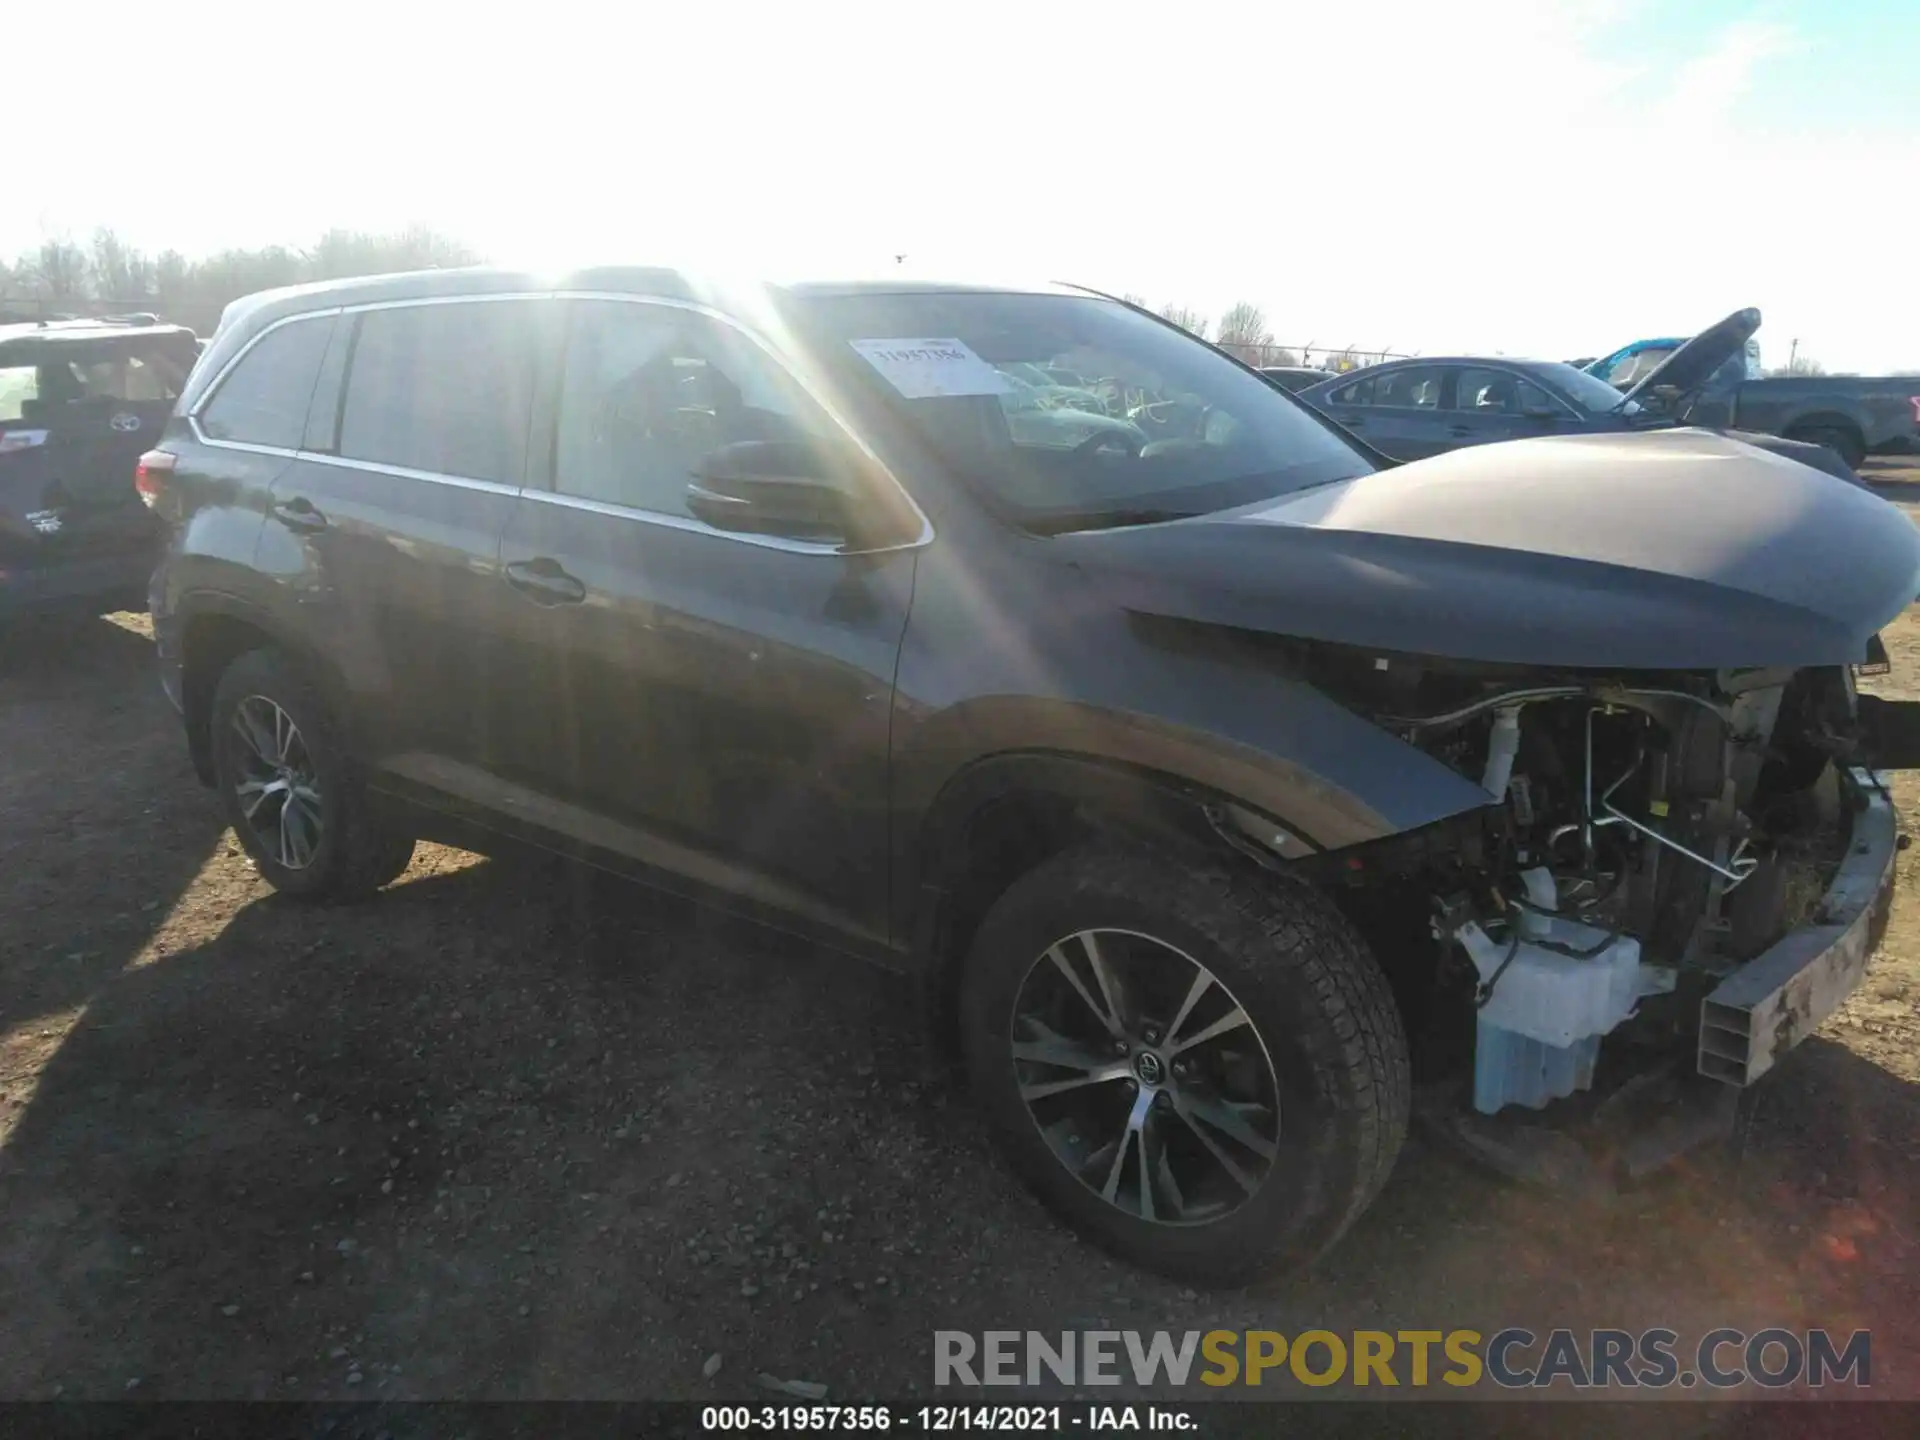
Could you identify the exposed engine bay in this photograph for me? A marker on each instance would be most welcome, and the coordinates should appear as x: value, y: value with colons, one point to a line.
x: 1645, y: 835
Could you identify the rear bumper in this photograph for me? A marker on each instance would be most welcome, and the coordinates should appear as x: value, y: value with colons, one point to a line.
x: 116, y: 581
x: 1776, y: 1000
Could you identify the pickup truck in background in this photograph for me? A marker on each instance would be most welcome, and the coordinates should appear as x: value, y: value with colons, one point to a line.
x: 1853, y: 416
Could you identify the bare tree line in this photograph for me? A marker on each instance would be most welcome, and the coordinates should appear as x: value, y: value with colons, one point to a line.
x: 64, y: 277
x: 107, y: 275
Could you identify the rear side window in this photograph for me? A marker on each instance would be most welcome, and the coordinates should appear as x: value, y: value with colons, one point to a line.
x: 264, y: 400
x: 443, y: 388
x: 19, y: 388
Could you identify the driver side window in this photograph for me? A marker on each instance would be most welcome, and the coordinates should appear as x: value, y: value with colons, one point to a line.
x: 649, y: 391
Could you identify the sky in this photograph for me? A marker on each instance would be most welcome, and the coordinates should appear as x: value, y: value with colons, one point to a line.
x: 1505, y: 176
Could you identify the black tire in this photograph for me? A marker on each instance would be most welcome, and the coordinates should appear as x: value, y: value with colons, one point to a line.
x: 356, y: 851
x: 1844, y: 442
x: 1315, y: 996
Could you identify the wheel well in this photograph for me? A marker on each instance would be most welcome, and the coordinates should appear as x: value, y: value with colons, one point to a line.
x: 1016, y: 831
x: 208, y: 645
x: 1824, y: 420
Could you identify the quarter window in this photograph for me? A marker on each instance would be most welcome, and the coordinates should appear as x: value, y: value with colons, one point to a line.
x: 446, y: 389
x: 651, y: 390
x: 264, y: 400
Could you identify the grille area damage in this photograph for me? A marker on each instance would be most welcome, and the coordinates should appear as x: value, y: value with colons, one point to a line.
x: 1677, y: 874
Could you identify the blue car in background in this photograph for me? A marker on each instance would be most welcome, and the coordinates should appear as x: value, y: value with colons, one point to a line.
x: 1630, y: 364
x: 1410, y: 409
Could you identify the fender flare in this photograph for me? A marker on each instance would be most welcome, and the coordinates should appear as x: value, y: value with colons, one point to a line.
x: 1156, y: 806
x: 198, y: 605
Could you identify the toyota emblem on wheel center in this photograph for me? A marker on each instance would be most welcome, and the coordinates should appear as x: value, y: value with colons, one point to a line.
x: 125, y: 423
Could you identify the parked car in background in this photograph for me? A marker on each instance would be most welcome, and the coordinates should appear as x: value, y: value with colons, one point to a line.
x: 1410, y: 409
x: 79, y: 401
x: 1293, y: 378
x: 1630, y: 364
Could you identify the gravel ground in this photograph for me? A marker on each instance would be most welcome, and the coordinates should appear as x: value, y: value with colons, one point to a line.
x: 514, y: 1131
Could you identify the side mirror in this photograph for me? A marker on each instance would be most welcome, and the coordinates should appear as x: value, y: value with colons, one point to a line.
x: 771, y: 487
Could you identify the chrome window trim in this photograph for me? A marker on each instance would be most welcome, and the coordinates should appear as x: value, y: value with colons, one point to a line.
x: 555, y: 497
x: 402, y: 472
x: 421, y: 301
x: 245, y: 446
x: 698, y: 527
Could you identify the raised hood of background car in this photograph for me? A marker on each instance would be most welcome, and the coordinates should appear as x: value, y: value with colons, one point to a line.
x: 1670, y: 549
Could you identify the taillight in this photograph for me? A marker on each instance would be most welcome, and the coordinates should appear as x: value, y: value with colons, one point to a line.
x: 150, y: 476
x: 12, y: 440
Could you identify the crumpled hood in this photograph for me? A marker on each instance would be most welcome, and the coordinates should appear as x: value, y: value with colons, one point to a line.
x: 1665, y: 550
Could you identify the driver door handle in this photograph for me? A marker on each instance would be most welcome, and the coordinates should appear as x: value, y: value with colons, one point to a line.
x: 299, y: 514
x: 1460, y: 430
x: 545, y: 581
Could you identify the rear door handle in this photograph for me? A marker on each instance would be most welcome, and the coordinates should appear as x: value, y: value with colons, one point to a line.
x: 299, y: 514
x: 545, y: 582
x: 1460, y: 430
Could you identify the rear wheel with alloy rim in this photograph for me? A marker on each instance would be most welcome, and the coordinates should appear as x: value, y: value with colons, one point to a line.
x: 290, y: 789
x: 1202, y: 1069
x: 278, y: 791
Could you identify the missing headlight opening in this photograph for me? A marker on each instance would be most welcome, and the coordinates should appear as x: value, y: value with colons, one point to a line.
x: 1645, y: 837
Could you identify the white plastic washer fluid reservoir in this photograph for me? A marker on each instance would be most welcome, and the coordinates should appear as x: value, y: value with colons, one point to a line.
x: 1533, y: 1032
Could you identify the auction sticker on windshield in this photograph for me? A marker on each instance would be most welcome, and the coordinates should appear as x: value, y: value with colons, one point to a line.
x: 921, y: 369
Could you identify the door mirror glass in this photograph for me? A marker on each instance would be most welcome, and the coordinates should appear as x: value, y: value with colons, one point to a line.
x: 772, y: 487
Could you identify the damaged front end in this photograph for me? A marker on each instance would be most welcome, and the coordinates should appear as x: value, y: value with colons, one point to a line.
x: 1650, y: 646
x: 1677, y: 876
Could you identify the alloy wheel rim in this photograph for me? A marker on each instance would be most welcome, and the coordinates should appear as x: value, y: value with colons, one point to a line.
x: 278, y: 791
x: 1145, y: 1077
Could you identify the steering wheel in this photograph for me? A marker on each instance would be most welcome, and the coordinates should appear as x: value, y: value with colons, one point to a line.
x: 1170, y: 417
x: 1114, y: 442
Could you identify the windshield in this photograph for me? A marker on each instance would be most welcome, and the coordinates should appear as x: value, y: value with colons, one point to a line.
x: 1588, y: 391
x: 1072, y: 412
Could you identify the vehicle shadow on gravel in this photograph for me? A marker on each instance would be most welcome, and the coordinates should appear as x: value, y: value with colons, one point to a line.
x: 511, y: 1130
x: 93, y: 774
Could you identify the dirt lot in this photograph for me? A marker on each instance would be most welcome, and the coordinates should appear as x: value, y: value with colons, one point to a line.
x: 509, y: 1131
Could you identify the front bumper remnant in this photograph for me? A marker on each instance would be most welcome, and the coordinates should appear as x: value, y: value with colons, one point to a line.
x: 1776, y: 1000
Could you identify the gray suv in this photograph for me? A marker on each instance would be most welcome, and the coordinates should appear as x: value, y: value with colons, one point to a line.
x: 1208, y: 772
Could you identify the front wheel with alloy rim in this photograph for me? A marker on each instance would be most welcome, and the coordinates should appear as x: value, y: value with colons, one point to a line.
x: 1201, y: 1068
x: 289, y: 788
